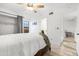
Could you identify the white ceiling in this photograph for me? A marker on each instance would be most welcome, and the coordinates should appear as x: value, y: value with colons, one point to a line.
x: 62, y: 8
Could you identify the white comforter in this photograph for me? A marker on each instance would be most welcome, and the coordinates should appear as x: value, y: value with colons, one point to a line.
x: 20, y: 44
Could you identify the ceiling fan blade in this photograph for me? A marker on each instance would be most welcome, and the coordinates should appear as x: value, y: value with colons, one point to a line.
x: 40, y: 6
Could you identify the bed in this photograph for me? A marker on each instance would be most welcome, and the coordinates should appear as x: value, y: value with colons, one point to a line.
x: 21, y: 44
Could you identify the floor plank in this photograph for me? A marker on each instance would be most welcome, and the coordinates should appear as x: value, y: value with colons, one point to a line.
x: 67, y: 48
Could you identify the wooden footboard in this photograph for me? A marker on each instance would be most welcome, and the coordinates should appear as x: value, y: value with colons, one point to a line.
x: 41, y: 52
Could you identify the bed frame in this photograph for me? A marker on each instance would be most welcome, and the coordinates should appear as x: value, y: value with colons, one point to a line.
x: 41, y: 52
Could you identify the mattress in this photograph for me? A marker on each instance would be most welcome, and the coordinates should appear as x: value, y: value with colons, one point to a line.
x: 21, y: 44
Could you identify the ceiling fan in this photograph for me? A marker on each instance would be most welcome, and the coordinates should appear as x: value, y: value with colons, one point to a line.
x: 37, y: 5
x: 33, y: 6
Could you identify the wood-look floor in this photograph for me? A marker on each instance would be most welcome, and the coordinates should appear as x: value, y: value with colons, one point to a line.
x: 67, y: 48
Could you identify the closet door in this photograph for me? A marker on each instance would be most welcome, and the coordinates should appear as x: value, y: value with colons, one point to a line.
x: 8, y: 25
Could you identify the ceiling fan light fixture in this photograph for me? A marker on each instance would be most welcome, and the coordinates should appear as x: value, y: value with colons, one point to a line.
x: 32, y: 6
x: 29, y: 4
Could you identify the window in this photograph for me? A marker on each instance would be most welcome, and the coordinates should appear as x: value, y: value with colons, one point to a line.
x: 25, y: 26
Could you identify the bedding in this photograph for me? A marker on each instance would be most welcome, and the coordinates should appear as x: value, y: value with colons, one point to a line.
x: 21, y: 44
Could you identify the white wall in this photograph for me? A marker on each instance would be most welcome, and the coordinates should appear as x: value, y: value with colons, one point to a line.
x: 44, y: 25
x: 55, y: 35
x: 34, y: 28
x: 70, y: 25
x: 77, y: 31
x: 7, y: 12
